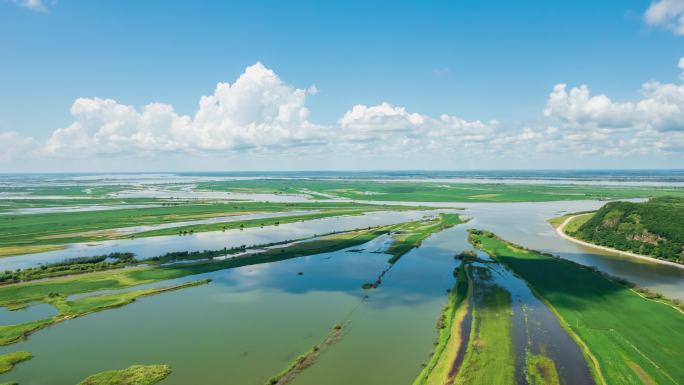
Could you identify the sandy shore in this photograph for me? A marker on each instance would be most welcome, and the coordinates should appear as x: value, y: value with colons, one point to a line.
x: 562, y: 233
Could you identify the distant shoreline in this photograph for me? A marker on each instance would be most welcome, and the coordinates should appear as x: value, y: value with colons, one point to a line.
x: 560, y: 232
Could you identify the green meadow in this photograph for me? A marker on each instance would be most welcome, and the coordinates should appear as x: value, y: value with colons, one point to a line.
x: 627, y: 338
x: 424, y: 191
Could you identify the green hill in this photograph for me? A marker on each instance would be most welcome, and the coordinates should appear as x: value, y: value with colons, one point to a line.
x: 654, y: 228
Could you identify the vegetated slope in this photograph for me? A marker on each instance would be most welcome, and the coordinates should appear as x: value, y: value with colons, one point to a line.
x: 654, y: 228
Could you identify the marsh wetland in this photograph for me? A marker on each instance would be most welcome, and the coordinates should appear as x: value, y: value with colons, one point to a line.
x: 458, y: 285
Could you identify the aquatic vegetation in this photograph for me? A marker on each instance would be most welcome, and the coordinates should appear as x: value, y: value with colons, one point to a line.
x: 68, y: 309
x: 412, y: 234
x: 19, y: 294
x: 626, y: 337
x: 55, y: 291
x: 307, y: 359
x: 540, y: 370
x: 71, y: 266
x: 243, y: 224
x: 9, y: 360
x: 133, y: 375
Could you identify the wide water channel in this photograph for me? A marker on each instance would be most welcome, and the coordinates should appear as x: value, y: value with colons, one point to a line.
x: 250, y: 322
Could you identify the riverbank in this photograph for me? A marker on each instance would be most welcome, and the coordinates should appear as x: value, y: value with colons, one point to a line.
x: 560, y: 230
x: 449, y: 349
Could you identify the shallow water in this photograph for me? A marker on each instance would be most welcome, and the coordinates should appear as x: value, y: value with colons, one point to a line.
x: 72, y: 209
x: 221, y: 219
x: 30, y: 313
x: 536, y: 328
x: 154, y: 246
x: 250, y: 322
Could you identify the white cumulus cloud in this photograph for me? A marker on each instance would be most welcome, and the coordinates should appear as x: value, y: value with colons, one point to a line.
x: 597, y: 124
x: 390, y: 128
x: 13, y: 145
x: 667, y: 14
x: 258, y: 111
x: 661, y: 108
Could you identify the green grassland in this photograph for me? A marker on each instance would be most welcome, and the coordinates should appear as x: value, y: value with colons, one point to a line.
x: 574, y: 224
x: 26, y: 232
x: 9, y: 360
x: 424, y: 191
x: 133, y: 375
x: 627, y: 338
x: 449, y: 338
x: 489, y: 358
x: 654, y: 228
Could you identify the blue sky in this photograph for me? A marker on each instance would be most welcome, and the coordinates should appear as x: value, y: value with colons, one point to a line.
x: 475, y: 61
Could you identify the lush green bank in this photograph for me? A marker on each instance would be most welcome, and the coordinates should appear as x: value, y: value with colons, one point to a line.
x: 627, y: 338
x: 489, y: 358
x: 654, y: 228
x: 438, y: 370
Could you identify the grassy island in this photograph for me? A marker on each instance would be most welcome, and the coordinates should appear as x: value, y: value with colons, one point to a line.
x: 133, y: 375
x: 9, y: 360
